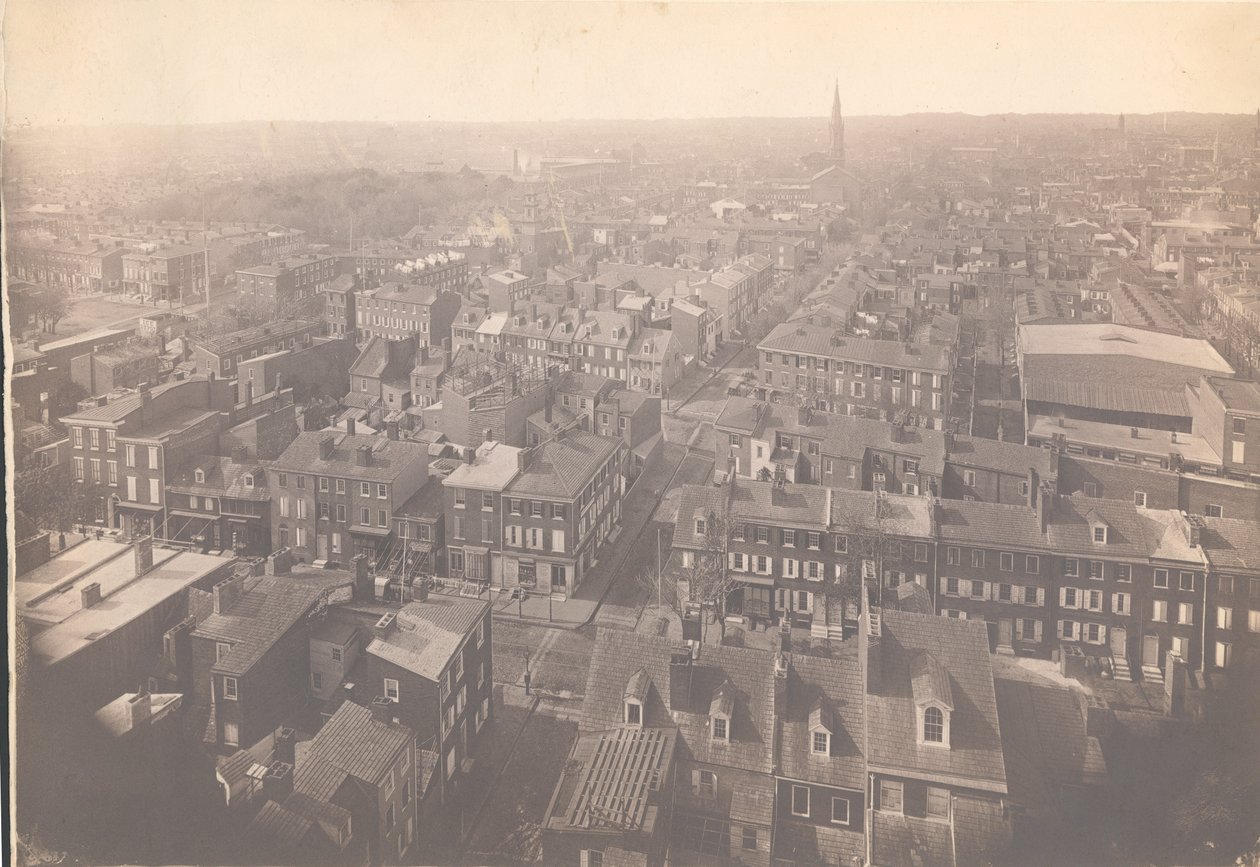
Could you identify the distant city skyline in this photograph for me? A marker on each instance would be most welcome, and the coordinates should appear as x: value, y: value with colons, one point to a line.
x: 196, y: 62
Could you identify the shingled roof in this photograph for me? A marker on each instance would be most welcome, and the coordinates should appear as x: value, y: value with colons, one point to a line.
x: 563, y: 466
x: 827, y: 691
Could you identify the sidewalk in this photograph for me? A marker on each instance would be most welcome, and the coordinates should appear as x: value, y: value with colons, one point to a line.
x: 636, y: 511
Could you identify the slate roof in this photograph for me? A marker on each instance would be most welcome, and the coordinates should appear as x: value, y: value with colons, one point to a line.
x: 975, y: 757
x: 905, y: 840
x: 903, y: 514
x: 971, y: 522
x: 1015, y: 458
x: 279, y: 826
x: 821, y: 341
x: 118, y: 410
x: 982, y: 834
x: 1231, y: 543
x: 223, y: 478
x: 836, y: 682
x: 695, y: 501
x: 390, y: 458
x: 426, y: 635
x: 680, y: 695
x: 353, y: 742
x: 562, y: 467
x: 270, y: 606
x: 807, y: 843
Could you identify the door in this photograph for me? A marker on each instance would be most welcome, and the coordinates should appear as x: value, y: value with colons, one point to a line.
x: 1005, y: 632
x: 1150, y: 650
x: 1119, y: 642
x: 321, y: 545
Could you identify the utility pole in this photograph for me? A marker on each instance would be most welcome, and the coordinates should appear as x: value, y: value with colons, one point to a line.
x: 658, y: 571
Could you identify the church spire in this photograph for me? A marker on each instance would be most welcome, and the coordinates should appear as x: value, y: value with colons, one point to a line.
x: 837, y: 130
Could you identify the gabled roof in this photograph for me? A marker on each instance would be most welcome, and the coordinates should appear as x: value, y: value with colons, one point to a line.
x: 354, y: 742
x: 828, y: 692
x: 562, y: 467
x: 426, y: 635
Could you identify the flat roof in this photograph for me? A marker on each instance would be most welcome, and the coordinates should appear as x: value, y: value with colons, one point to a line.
x: 124, y: 597
x: 1105, y: 338
x: 495, y: 467
x: 1149, y: 441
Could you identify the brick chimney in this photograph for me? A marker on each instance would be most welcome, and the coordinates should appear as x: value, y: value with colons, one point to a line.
x: 139, y: 708
x: 391, y: 430
x: 227, y: 592
x: 280, y: 562
x: 350, y: 426
x: 285, y: 744
x: 1045, y: 506
x: 363, y: 456
x: 278, y: 781
x: 143, y: 552
x: 364, y: 586
x: 326, y: 447
x: 382, y: 709
x: 383, y: 627
x: 90, y: 594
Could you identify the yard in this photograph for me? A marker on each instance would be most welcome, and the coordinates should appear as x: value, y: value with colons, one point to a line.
x: 558, y: 658
x: 508, y: 830
x: 98, y: 311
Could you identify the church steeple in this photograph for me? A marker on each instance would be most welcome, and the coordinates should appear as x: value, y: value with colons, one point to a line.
x: 837, y: 130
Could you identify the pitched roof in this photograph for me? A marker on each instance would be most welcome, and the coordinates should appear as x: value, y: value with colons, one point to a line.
x: 426, y: 635
x: 823, y: 341
x: 974, y: 757
x: 390, y: 458
x: 269, y: 607
x: 1231, y: 543
x: 563, y: 466
x: 833, y: 686
x: 354, y: 742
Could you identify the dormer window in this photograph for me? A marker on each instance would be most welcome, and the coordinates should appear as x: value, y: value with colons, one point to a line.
x: 820, y: 743
x: 933, y: 700
x: 820, y: 729
x: 720, y: 711
x: 634, y: 698
x: 199, y: 476
x: 700, y: 526
x: 249, y: 480
x: 1100, y: 534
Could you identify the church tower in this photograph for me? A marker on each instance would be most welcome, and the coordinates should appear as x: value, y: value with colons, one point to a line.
x: 837, y: 131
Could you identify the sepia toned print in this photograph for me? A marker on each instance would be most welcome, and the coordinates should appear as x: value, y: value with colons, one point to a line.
x: 632, y: 434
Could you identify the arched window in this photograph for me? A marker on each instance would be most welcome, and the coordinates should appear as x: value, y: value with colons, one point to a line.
x: 933, y: 725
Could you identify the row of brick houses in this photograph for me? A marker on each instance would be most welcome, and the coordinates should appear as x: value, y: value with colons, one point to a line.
x: 881, y: 379
x: 894, y: 751
x: 1104, y: 576
x: 294, y: 279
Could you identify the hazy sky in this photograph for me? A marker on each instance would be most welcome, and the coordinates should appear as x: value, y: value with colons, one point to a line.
x: 179, y: 61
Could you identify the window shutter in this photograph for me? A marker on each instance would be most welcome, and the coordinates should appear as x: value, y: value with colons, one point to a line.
x: 943, y: 584
x: 1019, y: 628
x: 731, y: 560
x: 1037, y: 631
x: 1062, y: 598
x: 1041, y: 596
x: 585, y: 859
x: 995, y: 591
x: 695, y: 780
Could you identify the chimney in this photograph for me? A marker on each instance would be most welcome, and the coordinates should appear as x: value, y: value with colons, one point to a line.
x: 522, y: 459
x: 280, y: 563
x: 90, y: 594
x: 391, y: 430
x: 870, y: 631
x: 326, y: 448
x: 785, y: 636
x: 898, y: 433
x: 680, y: 669
x: 350, y: 426
x: 364, y: 585
x: 422, y: 354
x: 240, y: 454
x: 547, y: 412
x: 284, y: 744
x: 384, y: 626
x: 177, y: 647
x: 1193, y: 529
x: 420, y: 590
x: 226, y: 592
x: 143, y: 551
x: 249, y: 392
x: 1046, y: 505
x: 1174, y: 685
x: 382, y: 709
x: 363, y: 456
x: 139, y: 708
x: 278, y: 781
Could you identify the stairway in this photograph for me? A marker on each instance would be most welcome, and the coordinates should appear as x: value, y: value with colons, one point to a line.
x: 1152, y: 675
x: 1122, y: 670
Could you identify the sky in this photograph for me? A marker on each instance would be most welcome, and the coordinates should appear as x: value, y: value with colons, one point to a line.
x: 191, y: 61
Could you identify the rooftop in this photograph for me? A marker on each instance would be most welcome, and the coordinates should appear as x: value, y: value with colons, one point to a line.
x: 494, y: 467
x: 426, y: 635
x: 1120, y: 340
x: 563, y: 466
x: 389, y: 458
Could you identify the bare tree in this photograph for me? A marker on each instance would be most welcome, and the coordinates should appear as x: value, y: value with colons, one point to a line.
x: 871, y: 546
x: 664, y: 586
x: 708, y: 576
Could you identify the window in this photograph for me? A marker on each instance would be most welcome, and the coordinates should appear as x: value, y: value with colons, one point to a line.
x: 1186, y: 580
x: 323, y: 484
x: 1214, y: 511
x: 230, y: 688
x: 706, y: 784
x: 700, y: 526
x: 1100, y: 535
x: 129, y: 454
x: 391, y: 689
x: 1224, y: 583
x: 1120, y: 603
x: 1161, y: 578
x: 317, y: 680
x: 1071, y: 568
x: 535, y: 509
x: 720, y: 729
x: 821, y: 743
x: 969, y: 478
x: 221, y: 649
x: 840, y: 811
x: 1224, y: 618
x: 341, y: 486
x: 1124, y: 572
x: 634, y: 713
x: 789, y: 538
x: 1139, y: 499
x: 937, y: 802
x: 591, y: 858
x: 800, y: 800
x: 933, y: 725
x: 1096, y: 570
x: 1091, y: 489
x: 557, y: 511
x: 890, y: 796
x: 977, y: 559
x: 952, y: 557
x: 842, y: 544
x: 1032, y: 564
x: 749, y: 838
x: 1185, y: 613
x: 282, y: 480
x: 1006, y: 562
x: 1253, y: 621
x: 1159, y: 611
x: 301, y: 483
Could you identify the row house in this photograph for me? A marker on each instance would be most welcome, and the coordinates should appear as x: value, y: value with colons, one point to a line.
x: 125, y: 450
x: 75, y: 267
x: 799, y: 553
x: 432, y: 661
x: 539, y: 335
x: 381, y: 375
x: 1232, y: 622
x: 335, y: 495
x: 881, y: 379
x: 535, y: 518
x: 222, y: 354
x: 888, y: 753
x: 251, y: 652
x: 376, y: 263
x: 174, y: 273
x: 286, y: 281
x: 603, y: 342
x: 220, y: 503
x: 472, y: 328
x: 1104, y: 577
x: 351, y: 795
x: 398, y: 311
x: 339, y: 312
x: 428, y: 374
x: 656, y: 362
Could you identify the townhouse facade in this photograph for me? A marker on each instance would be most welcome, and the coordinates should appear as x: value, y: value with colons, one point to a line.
x: 222, y: 354
x: 286, y: 281
x: 397, y: 311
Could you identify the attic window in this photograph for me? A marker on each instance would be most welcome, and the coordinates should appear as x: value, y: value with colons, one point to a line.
x: 720, y: 711
x: 634, y: 713
x: 249, y: 480
x: 1100, y: 534
x: 820, y: 743
x: 820, y: 729
x: 700, y: 526
x: 933, y: 725
x: 199, y: 476
x: 933, y: 700
x: 721, y: 729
